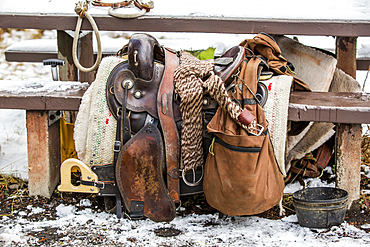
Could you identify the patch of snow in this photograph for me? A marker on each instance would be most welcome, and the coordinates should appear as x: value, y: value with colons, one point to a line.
x: 36, y: 210
x: 63, y: 210
x: 310, y: 183
x: 196, y: 230
x: 292, y: 219
x: 85, y: 203
x: 38, y: 85
x: 328, y: 10
x: 366, y: 171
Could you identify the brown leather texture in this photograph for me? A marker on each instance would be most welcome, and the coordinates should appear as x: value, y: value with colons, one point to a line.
x: 148, y: 90
x: 113, y: 5
x: 139, y: 174
x: 241, y: 174
x: 246, y: 117
x: 166, y: 117
x: 324, y: 154
x: 142, y: 50
x: 265, y: 45
x: 226, y: 72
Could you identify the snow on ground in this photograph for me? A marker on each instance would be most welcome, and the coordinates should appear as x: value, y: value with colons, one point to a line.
x: 89, y: 227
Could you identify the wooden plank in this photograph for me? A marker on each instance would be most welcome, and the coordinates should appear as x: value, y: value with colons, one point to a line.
x: 329, y: 107
x: 346, y: 54
x: 68, y: 100
x: 43, y: 153
x: 363, y: 63
x: 191, y: 24
x: 303, y: 106
x: 28, y: 57
x: 35, y: 57
x: 22, y: 101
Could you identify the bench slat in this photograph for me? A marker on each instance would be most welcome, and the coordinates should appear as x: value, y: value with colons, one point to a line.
x: 69, y: 100
x: 329, y: 107
x: 303, y: 106
x: 30, y: 51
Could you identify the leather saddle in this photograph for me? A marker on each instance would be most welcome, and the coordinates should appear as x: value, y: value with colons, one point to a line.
x: 140, y: 94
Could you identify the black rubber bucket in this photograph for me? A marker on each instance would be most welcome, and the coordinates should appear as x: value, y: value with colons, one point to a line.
x: 320, y: 207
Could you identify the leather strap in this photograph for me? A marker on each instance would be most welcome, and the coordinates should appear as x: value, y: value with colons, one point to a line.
x: 323, y: 156
x: 117, y: 143
x: 304, y: 172
x: 98, y: 184
x: 113, y: 5
x: 166, y: 118
x: 124, y: 3
x: 125, y: 121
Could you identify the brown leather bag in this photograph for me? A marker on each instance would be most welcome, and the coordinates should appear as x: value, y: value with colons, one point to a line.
x: 241, y: 175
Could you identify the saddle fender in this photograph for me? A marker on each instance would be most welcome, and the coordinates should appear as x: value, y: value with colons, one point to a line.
x: 139, y: 176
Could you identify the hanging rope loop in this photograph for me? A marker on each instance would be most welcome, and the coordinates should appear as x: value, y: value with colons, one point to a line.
x: 81, y: 11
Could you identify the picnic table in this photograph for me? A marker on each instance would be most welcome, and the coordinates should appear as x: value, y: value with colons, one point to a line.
x: 346, y: 20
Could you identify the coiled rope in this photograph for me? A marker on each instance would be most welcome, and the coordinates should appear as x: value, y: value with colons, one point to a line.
x: 190, y: 87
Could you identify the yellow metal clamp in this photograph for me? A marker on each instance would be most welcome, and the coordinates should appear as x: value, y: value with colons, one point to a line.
x: 71, y: 165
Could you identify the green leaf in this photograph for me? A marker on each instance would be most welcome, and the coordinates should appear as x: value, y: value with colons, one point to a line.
x: 204, y: 54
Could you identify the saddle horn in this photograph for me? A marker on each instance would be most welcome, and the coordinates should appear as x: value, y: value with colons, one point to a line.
x: 142, y: 50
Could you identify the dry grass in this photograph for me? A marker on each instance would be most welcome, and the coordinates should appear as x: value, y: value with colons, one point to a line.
x: 11, y: 185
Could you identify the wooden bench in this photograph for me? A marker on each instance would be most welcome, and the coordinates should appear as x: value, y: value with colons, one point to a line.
x: 340, y: 108
x: 43, y: 139
x: 208, y: 18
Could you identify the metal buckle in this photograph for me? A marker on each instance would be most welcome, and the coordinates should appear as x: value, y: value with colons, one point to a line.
x: 259, y: 131
x: 195, y: 183
x: 117, y: 146
x: 97, y: 183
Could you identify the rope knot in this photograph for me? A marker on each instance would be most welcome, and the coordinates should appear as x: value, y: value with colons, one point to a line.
x: 81, y: 8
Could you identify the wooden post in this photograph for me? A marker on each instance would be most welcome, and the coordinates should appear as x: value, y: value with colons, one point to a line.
x: 86, y: 56
x: 348, y: 136
x: 69, y: 71
x: 43, y: 144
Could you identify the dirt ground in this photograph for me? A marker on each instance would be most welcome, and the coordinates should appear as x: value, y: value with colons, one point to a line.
x: 14, y: 197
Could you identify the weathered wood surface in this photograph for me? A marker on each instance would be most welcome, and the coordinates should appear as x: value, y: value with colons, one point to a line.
x: 191, y: 24
x: 329, y: 107
x: 300, y: 18
x: 303, y: 106
x: 43, y: 147
x: 37, y: 51
x: 67, y: 100
x: 348, y: 135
